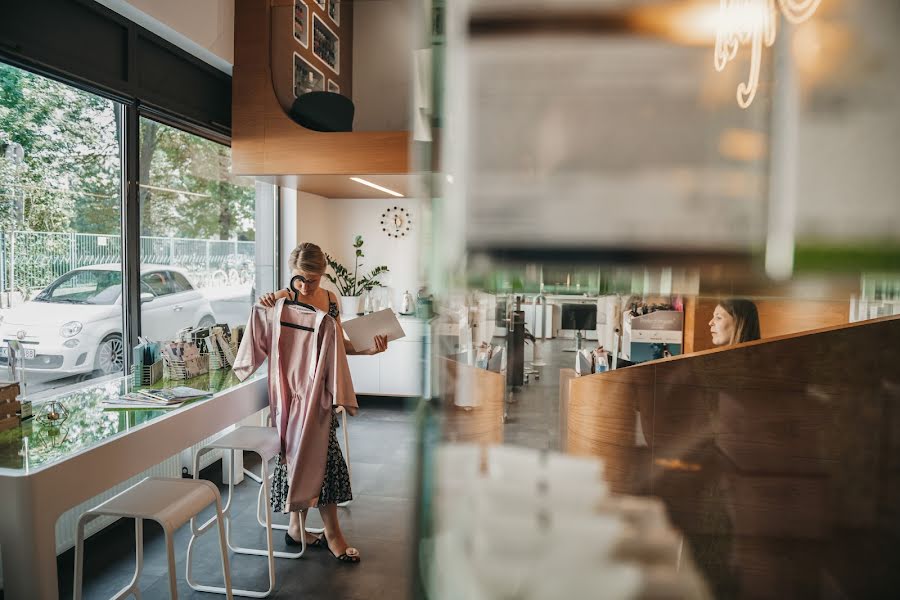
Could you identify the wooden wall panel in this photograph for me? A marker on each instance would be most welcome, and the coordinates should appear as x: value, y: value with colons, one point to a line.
x: 472, y: 403
x: 776, y: 317
x: 690, y: 324
x: 796, y: 420
x: 609, y: 428
x: 265, y: 141
x: 565, y: 378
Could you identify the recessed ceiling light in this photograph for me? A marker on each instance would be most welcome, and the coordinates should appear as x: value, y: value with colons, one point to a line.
x: 377, y: 187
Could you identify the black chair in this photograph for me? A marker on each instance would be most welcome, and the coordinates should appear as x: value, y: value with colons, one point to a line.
x: 323, y: 111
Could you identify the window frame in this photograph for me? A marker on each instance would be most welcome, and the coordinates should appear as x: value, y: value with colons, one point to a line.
x: 131, y: 111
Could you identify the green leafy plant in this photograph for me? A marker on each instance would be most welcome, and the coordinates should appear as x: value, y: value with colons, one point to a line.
x: 352, y: 284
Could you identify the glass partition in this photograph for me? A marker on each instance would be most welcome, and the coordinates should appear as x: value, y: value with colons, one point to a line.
x: 666, y: 297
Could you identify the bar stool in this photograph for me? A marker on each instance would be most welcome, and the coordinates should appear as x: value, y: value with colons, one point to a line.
x: 169, y: 502
x: 264, y: 441
x: 259, y: 501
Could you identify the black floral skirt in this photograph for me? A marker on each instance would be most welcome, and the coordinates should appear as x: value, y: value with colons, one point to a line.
x: 335, y: 486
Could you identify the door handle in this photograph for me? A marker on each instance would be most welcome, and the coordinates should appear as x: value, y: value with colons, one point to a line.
x: 177, y: 307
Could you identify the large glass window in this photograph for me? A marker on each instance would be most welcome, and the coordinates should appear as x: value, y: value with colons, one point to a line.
x: 197, y: 233
x: 60, y: 226
x: 61, y: 272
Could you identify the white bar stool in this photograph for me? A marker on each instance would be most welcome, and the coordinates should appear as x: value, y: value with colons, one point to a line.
x: 169, y: 502
x: 264, y: 507
x: 264, y: 441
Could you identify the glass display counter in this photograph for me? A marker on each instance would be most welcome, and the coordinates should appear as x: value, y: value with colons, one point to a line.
x: 89, y: 423
x: 67, y: 463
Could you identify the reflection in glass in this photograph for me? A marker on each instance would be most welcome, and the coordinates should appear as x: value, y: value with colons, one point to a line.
x: 197, y: 234
x: 38, y: 442
x: 60, y: 225
x: 593, y: 159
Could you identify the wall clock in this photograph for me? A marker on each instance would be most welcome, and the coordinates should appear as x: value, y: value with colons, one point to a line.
x: 396, y: 222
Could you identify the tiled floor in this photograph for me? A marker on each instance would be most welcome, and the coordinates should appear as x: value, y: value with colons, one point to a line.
x: 378, y: 522
x: 533, y: 410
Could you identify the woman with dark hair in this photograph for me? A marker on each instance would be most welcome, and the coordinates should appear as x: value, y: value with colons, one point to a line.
x: 734, y: 321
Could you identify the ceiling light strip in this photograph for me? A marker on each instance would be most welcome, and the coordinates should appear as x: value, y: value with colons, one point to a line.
x: 377, y: 187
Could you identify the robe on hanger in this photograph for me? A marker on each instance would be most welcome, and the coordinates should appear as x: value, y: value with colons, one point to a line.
x: 308, y: 375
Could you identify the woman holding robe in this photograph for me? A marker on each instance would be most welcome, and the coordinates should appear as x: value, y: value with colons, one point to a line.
x: 308, y: 378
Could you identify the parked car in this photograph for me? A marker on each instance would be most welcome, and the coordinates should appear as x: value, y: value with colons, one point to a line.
x: 75, y: 324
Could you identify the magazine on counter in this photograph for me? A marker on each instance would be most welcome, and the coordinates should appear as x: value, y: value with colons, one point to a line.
x: 156, y: 398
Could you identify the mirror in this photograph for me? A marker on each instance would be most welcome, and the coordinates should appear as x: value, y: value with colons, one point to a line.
x: 146, y: 297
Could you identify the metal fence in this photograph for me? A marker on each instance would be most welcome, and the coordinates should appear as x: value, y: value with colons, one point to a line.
x: 30, y: 260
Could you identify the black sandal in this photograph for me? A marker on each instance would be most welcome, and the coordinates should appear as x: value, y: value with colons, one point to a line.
x: 350, y: 555
x: 317, y: 543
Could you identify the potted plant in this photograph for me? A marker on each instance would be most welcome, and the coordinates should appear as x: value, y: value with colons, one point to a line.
x: 351, y: 285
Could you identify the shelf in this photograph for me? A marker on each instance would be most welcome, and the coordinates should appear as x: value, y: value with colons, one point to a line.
x: 265, y: 141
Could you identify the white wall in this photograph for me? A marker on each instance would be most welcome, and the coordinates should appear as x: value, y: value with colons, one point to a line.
x: 334, y: 223
x: 382, y: 64
x: 289, y: 232
x: 204, y: 28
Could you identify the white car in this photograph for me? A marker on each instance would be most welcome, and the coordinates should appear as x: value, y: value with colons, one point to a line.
x: 75, y: 324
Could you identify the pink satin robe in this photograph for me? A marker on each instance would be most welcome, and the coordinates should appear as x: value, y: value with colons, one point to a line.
x: 308, y: 374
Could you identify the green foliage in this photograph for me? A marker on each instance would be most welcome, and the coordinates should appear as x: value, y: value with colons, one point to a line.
x: 70, y: 173
x: 213, y: 204
x: 70, y: 177
x: 351, y: 284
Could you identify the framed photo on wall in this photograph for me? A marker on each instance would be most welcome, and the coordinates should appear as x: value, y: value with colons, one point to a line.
x: 307, y: 78
x: 301, y: 23
x: 334, y: 11
x: 326, y: 44
x: 333, y: 86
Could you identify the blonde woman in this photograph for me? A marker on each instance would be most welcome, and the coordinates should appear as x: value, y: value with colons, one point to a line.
x: 308, y: 261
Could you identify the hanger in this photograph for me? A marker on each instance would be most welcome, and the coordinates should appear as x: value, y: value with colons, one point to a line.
x: 295, y: 299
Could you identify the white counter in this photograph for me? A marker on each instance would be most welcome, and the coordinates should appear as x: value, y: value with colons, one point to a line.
x: 399, y: 371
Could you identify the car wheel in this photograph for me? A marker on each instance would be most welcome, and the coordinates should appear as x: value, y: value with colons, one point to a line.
x: 110, y: 355
x: 207, y: 321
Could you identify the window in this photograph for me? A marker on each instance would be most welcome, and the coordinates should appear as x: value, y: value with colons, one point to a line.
x: 60, y: 230
x: 61, y: 275
x: 87, y: 286
x: 199, y: 219
x: 180, y: 282
x: 159, y: 282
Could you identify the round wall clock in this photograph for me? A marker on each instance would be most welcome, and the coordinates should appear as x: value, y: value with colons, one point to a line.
x: 396, y: 222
